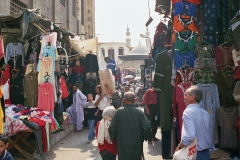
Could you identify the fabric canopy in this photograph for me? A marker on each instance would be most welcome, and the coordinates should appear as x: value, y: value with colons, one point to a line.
x: 84, y: 47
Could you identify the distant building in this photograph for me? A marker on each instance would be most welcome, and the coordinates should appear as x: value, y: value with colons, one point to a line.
x: 125, y: 55
x: 78, y: 16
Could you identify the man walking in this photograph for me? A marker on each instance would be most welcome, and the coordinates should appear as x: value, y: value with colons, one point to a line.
x: 130, y: 127
x: 150, y: 103
x: 76, y: 110
x: 196, y: 123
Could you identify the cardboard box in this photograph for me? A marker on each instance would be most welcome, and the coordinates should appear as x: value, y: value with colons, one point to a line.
x: 106, y: 77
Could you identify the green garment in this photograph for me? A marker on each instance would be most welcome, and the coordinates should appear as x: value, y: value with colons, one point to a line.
x: 162, y: 83
x: 130, y: 127
x: 185, y: 40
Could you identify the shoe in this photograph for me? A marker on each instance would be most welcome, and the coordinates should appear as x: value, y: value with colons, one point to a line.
x: 89, y: 141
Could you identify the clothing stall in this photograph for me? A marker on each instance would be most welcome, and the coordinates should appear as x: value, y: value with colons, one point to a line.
x: 33, y: 73
x: 190, y: 48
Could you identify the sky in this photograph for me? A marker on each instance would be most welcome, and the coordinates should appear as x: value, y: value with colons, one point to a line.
x: 113, y: 16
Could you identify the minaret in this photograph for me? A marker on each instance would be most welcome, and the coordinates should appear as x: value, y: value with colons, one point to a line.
x: 148, y: 41
x: 128, y: 39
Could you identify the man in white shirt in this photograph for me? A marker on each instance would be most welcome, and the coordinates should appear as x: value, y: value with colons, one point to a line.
x: 102, y: 101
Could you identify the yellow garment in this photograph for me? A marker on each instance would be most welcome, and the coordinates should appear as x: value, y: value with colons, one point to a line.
x: 1, y: 119
x: 29, y: 69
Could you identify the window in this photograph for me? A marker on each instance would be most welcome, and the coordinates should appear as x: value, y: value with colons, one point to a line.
x: 111, y: 53
x: 16, y: 6
x: 89, y: 18
x: 120, y: 51
x: 82, y: 12
x: 89, y: 11
x: 74, y: 8
x: 62, y: 2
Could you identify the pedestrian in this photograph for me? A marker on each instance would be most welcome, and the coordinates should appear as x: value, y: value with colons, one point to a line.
x: 130, y: 127
x: 107, y: 147
x: 116, y: 98
x: 126, y: 89
x: 140, y: 94
x: 196, y: 123
x: 90, y: 110
x: 4, y: 154
x: 76, y: 110
x: 102, y: 101
x: 150, y: 103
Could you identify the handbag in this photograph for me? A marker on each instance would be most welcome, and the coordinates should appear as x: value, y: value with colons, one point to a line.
x: 188, y: 152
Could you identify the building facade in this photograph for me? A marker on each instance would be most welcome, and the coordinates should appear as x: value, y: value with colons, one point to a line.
x: 78, y: 16
x: 113, y: 50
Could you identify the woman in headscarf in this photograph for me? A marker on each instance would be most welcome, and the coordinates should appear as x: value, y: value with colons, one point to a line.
x: 107, y: 148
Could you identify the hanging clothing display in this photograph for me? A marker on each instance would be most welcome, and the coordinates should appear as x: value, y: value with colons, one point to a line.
x: 210, y: 21
x: 92, y: 63
x: 52, y: 39
x: 233, y: 33
x: 225, y: 117
x: 5, y: 78
x: 184, y: 76
x: 111, y: 64
x: 13, y: 50
x: 16, y: 87
x: 31, y: 89
x: 203, y: 49
x: 226, y: 83
x: 45, y: 68
x: 210, y: 102
x: 223, y: 57
x: 162, y: 83
x: 182, y: 22
x: 46, y: 97
x: 181, y: 59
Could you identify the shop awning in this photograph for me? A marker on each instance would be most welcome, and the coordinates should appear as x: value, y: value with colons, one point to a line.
x: 84, y: 47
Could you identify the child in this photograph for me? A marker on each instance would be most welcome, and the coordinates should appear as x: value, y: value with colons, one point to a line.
x: 90, y: 110
x: 4, y: 154
x: 107, y: 148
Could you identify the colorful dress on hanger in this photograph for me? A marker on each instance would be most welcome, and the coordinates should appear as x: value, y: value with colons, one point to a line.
x: 203, y: 49
x: 5, y: 81
x: 181, y: 22
x: 52, y: 38
x: 46, y: 97
x: 181, y: 59
x: 196, y: 2
x: 186, y: 39
x: 14, y: 50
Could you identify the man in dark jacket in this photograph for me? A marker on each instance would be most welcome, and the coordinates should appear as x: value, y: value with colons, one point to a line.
x: 130, y: 127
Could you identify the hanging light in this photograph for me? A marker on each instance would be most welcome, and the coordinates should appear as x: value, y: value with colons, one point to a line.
x: 61, y: 35
x: 52, y: 27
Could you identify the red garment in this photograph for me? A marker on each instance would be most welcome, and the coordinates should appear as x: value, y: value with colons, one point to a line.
x: 63, y: 88
x: 41, y: 124
x: 196, y: 2
x: 237, y: 73
x: 150, y: 97
x: 79, y: 69
x: 223, y: 57
x: 46, y: 97
x: 160, y: 28
x: 112, y: 148
x: 179, y: 105
x: 184, y: 76
x: 5, y: 77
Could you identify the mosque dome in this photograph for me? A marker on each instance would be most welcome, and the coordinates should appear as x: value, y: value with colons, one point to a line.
x: 139, y: 49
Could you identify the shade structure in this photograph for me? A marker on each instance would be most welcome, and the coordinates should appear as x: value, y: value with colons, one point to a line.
x: 84, y: 47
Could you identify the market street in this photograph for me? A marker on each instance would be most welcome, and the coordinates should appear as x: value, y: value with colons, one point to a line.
x: 75, y: 146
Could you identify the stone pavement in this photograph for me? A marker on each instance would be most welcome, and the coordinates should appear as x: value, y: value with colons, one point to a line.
x: 75, y: 147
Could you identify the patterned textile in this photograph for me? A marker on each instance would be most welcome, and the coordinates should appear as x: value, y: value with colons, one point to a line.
x: 223, y: 57
x: 184, y: 8
x: 203, y: 50
x: 210, y: 102
x: 210, y: 12
x: 204, y: 75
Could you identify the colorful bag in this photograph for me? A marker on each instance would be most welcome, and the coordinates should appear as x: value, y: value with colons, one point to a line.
x: 187, y: 153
